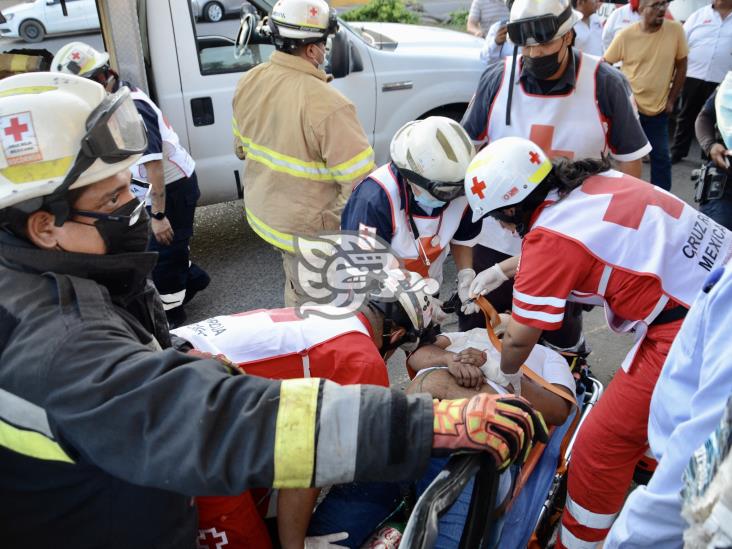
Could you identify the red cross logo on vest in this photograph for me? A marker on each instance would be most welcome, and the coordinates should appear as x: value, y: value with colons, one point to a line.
x: 478, y: 188
x: 313, y: 12
x: 75, y: 55
x: 218, y: 539
x: 16, y: 129
x: 544, y: 136
x: 630, y: 199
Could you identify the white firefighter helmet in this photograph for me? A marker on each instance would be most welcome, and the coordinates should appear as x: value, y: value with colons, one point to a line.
x: 723, y: 108
x: 433, y: 154
x: 302, y: 21
x: 61, y: 131
x: 535, y: 22
x: 503, y: 174
x: 80, y: 59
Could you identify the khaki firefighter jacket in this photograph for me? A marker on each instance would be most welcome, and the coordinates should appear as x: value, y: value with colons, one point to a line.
x: 304, y: 148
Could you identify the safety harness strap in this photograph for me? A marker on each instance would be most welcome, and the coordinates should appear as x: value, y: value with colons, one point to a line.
x: 492, y: 319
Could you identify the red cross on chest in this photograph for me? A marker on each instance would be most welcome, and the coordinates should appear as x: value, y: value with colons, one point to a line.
x: 630, y: 200
x: 16, y: 129
x: 478, y: 187
x: 543, y: 136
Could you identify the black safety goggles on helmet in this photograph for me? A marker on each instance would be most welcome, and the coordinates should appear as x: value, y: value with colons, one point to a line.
x: 441, y: 190
x: 540, y: 29
x: 114, y: 132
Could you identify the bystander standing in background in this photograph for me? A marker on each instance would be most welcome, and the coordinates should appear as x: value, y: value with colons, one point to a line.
x: 709, y: 33
x: 653, y: 52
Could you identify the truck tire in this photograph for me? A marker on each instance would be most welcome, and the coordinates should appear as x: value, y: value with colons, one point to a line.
x: 213, y: 12
x: 32, y: 31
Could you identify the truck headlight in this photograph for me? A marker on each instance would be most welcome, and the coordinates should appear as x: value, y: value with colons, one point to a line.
x: 8, y: 16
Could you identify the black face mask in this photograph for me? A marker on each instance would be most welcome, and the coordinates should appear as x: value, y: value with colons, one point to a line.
x: 542, y: 67
x: 122, y: 238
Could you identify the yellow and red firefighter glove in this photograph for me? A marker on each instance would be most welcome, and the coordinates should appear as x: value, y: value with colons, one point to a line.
x: 502, y: 425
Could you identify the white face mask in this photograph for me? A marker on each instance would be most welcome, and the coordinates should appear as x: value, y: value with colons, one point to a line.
x: 321, y: 64
x: 425, y: 199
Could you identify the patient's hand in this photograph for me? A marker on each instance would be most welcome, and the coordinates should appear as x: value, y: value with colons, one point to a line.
x: 472, y: 356
x: 465, y: 368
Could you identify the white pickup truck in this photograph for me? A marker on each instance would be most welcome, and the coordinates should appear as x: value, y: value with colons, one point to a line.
x: 393, y: 73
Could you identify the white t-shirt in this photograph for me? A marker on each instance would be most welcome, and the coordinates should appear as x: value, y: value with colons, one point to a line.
x: 544, y: 361
x: 589, y: 35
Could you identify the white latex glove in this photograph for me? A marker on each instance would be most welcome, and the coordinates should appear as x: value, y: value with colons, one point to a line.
x: 465, y: 279
x: 491, y: 369
x: 515, y: 381
x: 438, y: 315
x: 487, y: 281
x: 323, y: 542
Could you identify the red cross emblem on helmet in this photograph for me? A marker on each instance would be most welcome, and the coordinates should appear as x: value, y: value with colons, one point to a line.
x: 313, y: 11
x: 75, y: 55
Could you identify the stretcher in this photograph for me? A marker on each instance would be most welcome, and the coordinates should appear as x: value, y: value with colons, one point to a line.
x: 422, y: 528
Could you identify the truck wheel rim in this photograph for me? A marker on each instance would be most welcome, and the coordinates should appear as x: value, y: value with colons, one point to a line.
x: 215, y: 13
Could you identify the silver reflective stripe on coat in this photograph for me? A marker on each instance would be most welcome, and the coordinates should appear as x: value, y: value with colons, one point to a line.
x: 24, y: 429
x: 338, y: 435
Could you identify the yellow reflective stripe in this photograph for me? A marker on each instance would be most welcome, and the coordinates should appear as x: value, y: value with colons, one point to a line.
x: 18, y: 63
x: 361, y: 164
x: 294, y: 448
x: 541, y: 172
x: 279, y: 239
x: 32, y: 444
x: 35, y: 171
x: 27, y: 90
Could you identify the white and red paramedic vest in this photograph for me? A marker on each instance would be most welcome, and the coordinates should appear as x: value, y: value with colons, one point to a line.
x: 569, y: 125
x: 667, y: 239
x: 177, y: 163
x: 263, y: 335
x: 435, y: 233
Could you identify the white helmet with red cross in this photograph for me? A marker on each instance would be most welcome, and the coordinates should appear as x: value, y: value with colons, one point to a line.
x: 503, y: 174
x: 300, y: 22
x: 80, y: 59
x: 61, y: 132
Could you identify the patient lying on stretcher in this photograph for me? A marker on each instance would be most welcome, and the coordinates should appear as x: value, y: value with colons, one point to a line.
x: 459, y: 364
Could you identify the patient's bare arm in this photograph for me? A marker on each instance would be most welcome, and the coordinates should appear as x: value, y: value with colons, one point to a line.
x: 464, y: 366
x: 441, y: 385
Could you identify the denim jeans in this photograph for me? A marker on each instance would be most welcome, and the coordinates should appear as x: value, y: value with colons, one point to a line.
x: 656, y: 130
x: 720, y: 210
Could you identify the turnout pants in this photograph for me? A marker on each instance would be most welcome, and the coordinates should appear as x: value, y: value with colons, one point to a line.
x: 611, y: 441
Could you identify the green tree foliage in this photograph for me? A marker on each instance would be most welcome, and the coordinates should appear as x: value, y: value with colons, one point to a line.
x: 458, y: 19
x: 387, y: 11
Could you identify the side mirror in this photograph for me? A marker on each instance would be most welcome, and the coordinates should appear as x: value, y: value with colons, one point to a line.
x: 340, y: 55
x: 247, y: 24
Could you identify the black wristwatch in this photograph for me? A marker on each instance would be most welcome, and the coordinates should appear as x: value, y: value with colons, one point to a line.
x: 158, y: 215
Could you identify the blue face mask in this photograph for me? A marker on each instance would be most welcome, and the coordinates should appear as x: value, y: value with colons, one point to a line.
x: 426, y: 200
